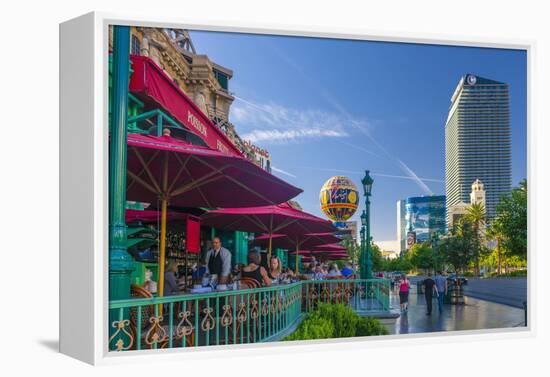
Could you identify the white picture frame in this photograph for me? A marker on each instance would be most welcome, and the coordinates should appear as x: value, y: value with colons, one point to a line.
x: 84, y: 188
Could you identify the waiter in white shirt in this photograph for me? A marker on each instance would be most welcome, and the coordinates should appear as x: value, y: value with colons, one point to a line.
x: 218, y: 261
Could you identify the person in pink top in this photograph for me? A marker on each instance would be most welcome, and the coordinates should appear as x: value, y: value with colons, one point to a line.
x: 404, y: 287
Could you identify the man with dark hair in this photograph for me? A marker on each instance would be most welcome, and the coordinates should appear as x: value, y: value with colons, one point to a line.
x: 429, y: 288
x: 218, y: 261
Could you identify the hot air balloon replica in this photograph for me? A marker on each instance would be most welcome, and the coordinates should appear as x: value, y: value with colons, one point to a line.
x: 339, y: 198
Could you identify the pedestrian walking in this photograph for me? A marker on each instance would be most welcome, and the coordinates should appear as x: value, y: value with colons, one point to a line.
x: 429, y: 288
x: 441, y: 286
x: 404, y: 287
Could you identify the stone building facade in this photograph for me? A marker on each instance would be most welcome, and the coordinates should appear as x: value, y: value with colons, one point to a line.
x: 204, y: 81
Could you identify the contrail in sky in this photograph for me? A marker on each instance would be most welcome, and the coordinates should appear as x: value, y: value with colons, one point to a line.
x: 336, y: 104
x: 372, y: 173
x: 282, y: 172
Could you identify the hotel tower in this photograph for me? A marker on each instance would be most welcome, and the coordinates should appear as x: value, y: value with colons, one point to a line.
x: 478, y: 142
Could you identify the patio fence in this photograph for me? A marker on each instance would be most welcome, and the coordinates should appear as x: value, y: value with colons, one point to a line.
x: 234, y: 317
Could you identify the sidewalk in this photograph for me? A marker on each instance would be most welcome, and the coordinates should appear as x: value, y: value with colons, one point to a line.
x: 474, y: 315
x: 507, y: 291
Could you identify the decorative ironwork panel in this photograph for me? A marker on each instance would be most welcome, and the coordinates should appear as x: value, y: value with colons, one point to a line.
x: 156, y: 333
x: 184, y: 327
x: 121, y: 333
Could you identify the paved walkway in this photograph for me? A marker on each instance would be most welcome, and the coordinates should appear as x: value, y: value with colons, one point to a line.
x: 508, y: 291
x: 474, y: 315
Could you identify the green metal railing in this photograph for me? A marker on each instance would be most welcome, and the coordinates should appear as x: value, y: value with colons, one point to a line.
x: 234, y: 317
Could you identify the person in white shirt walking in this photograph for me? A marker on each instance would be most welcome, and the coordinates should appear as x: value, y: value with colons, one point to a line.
x: 441, y: 285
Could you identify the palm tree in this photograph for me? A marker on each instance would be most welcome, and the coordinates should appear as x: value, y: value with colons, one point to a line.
x: 495, y: 232
x: 475, y: 214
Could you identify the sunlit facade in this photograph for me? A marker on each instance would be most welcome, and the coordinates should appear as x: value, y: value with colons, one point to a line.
x: 478, y: 142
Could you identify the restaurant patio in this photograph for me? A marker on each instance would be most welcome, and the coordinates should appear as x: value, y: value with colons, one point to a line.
x: 198, y: 185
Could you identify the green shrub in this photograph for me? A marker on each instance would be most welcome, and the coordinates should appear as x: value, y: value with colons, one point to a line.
x: 336, y: 321
x: 368, y: 326
x: 342, y: 317
x: 314, y: 327
x: 517, y: 273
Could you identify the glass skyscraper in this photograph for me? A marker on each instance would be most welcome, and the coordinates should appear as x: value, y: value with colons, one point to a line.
x: 478, y: 142
x: 425, y: 215
x: 401, y: 225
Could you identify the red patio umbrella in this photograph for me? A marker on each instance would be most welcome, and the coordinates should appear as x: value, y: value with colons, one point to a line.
x: 301, y: 252
x: 311, y: 252
x: 296, y: 242
x: 281, y: 218
x: 167, y: 169
x: 334, y: 247
x: 337, y: 256
x: 194, y: 176
x: 151, y: 216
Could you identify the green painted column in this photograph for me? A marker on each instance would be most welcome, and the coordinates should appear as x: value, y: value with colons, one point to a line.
x: 292, y: 263
x: 120, y: 262
x: 282, y: 256
x: 241, y: 247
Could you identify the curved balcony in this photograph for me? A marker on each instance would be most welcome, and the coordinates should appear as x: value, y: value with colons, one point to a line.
x: 236, y: 316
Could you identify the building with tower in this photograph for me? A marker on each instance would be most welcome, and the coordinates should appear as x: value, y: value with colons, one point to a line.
x: 477, y: 195
x: 478, y: 143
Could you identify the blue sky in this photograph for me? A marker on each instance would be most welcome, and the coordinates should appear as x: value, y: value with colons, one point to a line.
x: 325, y: 107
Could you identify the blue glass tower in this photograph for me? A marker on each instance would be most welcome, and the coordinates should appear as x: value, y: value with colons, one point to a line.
x: 425, y: 215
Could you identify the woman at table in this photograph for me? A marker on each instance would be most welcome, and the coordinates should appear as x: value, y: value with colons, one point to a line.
x: 334, y: 272
x: 274, y: 268
x: 254, y: 270
x: 170, y: 281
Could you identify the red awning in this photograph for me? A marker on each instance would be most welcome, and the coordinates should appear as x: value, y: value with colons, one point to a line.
x: 153, y: 86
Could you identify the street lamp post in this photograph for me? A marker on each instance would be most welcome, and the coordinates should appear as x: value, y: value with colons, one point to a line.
x: 366, y: 268
x: 362, y: 262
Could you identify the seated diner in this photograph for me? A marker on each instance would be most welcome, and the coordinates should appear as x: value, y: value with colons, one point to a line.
x: 254, y: 270
x: 275, y: 268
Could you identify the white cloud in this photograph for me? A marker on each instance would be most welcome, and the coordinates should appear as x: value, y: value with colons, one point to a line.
x: 273, y: 123
x: 290, y: 135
